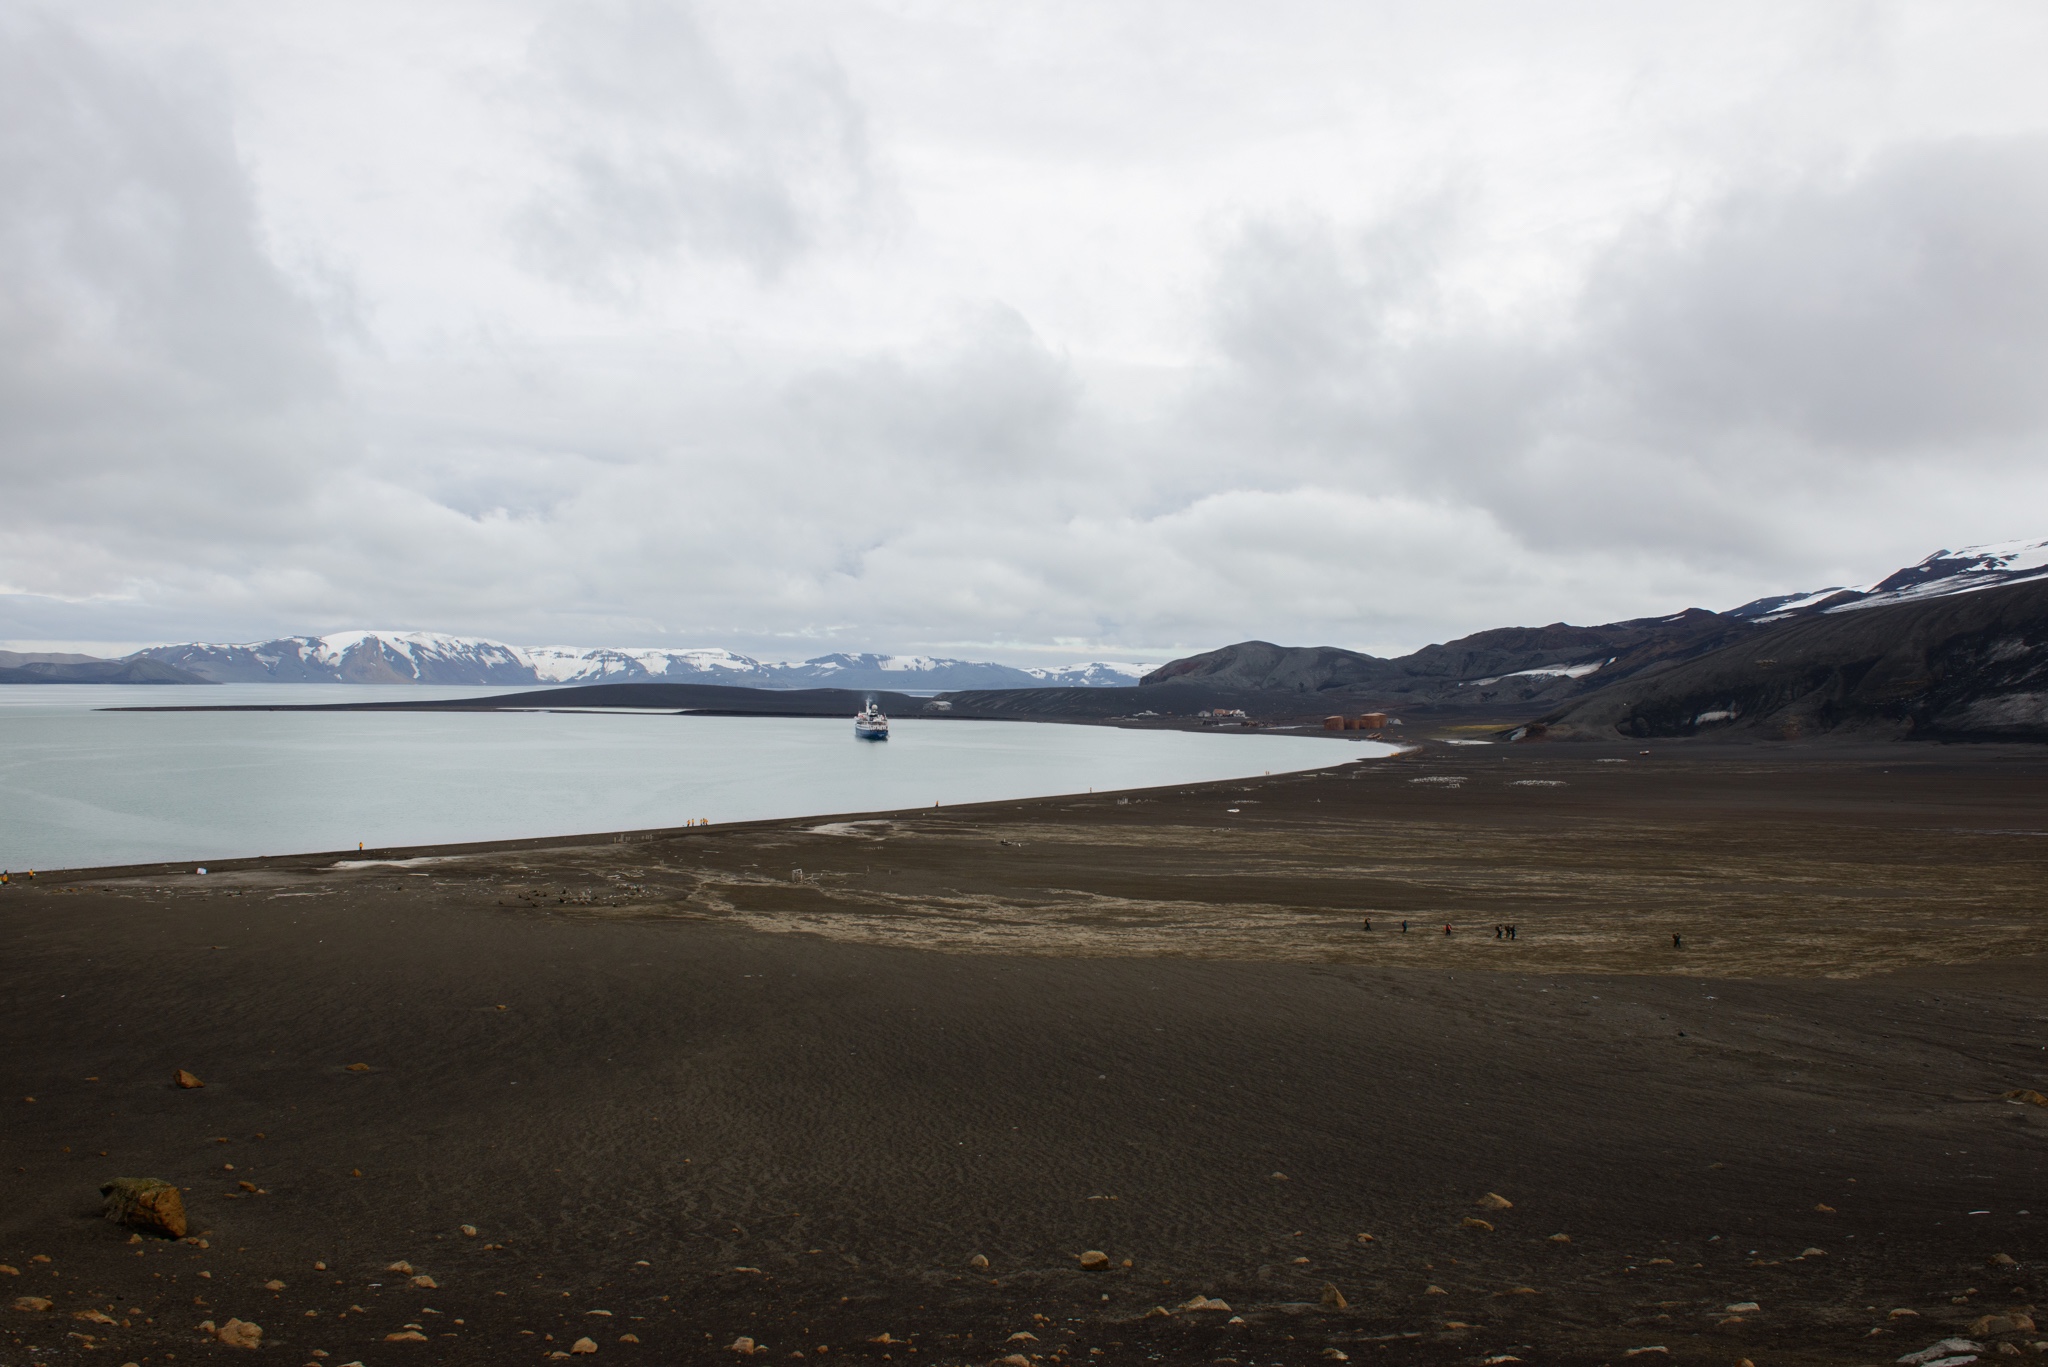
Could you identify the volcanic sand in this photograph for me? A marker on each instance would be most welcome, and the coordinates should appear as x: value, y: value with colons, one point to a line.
x: 786, y: 1080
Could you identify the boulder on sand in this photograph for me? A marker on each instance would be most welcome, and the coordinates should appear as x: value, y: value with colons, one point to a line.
x: 1493, y: 1200
x: 145, y: 1203
x: 2011, y: 1322
x: 1094, y: 1258
x: 186, y: 1080
x: 1333, y: 1299
x: 240, y: 1334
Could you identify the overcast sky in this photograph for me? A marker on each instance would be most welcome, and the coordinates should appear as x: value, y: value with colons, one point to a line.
x: 1020, y: 331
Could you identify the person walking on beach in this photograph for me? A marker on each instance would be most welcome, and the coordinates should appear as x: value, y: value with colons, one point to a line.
x: 1447, y: 927
x: 1368, y: 923
x: 1404, y: 927
x: 1677, y: 941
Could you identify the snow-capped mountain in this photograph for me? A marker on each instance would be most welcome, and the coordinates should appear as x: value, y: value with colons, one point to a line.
x: 1945, y: 572
x: 388, y: 657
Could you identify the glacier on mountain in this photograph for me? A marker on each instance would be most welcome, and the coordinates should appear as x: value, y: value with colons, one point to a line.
x: 437, y: 658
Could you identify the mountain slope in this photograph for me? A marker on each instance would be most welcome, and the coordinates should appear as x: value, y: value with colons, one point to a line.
x: 1954, y: 668
x: 433, y: 658
x: 91, y: 671
x: 1508, y: 664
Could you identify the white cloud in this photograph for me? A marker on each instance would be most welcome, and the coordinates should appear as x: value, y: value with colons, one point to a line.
x: 805, y: 326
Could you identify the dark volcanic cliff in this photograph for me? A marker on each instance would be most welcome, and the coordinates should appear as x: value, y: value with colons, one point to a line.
x: 1966, y: 667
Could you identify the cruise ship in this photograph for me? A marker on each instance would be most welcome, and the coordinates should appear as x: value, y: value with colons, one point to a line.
x: 870, y: 723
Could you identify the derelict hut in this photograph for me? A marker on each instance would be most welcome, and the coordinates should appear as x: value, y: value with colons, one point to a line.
x: 1372, y: 721
x: 1336, y: 723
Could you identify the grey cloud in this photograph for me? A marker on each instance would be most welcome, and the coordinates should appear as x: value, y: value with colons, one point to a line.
x: 1892, y: 308
x: 1747, y: 347
x: 158, y: 379
x: 661, y: 143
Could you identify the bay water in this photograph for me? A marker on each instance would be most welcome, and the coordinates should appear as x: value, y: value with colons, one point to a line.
x: 82, y: 786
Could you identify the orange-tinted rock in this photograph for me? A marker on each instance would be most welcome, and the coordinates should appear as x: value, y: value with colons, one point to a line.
x: 145, y: 1203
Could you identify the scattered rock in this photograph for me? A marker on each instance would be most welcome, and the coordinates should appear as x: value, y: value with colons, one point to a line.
x: 1493, y: 1200
x: 145, y: 1203
x: 273, y: 1285
x: 1014, y: 1360
x: 1094, y: 1258
x: 1205, y: 1303
x: 1560, y: 1238
x: 358, y: 1067
x: 1297, y: 1262
x: 2028, y: 1095
x: 886, y: 1337
x: 402, y: 1268
x: 93, y: 1317
x: 406, y: 1336
x: 2002, y: 1260
x: 1235, y: 1319
x: 1279, y: 1177
x: 1435, y: 1290
x: 1019, y: 1337
x: 1333, y: 1299
x: 186, y: 1080
x: 1905, y: 1314
x: 1814, y: 1253
x: 742, y: 1344
x: 1744, y: 1308
x: 583, y: 1346
x: 1660, y: 1262
x: 1367, y: 1239
x: 629, y: 1338
x: 468, y: 1231
x: 1824, y: 1208
x: 240, y: 1334
x: 1157, y: 1312
x: 1474, y: 1222
x: 9, y: 1271
x: 1947, y: 1348
x: 978, y: 1260
x: 1653, y: 1348
x: 1336, y: 1355
x: 425, y: 1283
x: 31, y: 1303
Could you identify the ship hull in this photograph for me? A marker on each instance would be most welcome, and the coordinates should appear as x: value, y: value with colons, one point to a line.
x: 870, y: 732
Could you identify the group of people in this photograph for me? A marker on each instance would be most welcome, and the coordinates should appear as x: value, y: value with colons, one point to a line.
x: 1499, y: 932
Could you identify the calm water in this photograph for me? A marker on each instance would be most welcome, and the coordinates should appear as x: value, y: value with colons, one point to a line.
x: 81, y: 786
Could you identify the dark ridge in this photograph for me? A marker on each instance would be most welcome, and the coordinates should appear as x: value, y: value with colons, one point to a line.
x: 133, y: 670
x: 710, y: 699
x: 1970, y: 666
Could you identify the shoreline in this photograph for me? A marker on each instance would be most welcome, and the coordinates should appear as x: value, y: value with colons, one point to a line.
x: 789, y: 1080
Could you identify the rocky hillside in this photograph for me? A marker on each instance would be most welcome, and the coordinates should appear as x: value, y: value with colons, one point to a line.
x: 1949, y: 667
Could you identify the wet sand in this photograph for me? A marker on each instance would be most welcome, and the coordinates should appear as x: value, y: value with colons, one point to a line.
x: 668, y: 1077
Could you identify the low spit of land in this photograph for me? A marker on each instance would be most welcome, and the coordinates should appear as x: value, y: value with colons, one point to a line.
x: 790, y: 1080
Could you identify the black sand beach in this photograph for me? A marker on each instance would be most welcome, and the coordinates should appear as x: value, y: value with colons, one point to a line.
x: 686, y: 1093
